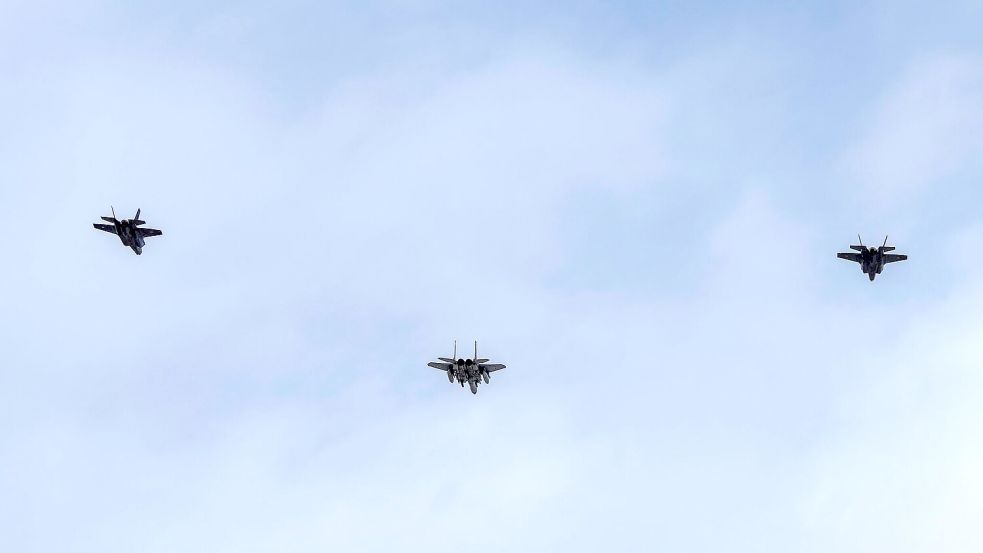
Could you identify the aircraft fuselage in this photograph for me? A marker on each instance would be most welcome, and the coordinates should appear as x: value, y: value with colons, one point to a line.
x: 129, y: 236
x: 466, y: 370
x: 872, y: 262
x: 471, y: 371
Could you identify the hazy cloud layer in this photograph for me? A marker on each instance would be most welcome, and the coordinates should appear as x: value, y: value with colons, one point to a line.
x: 929, y: 128
x: 640, y: 223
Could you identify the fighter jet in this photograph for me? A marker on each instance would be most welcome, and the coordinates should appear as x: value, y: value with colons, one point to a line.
x: 872, y: 260
x: 128, y: 230
x: 472, y: 371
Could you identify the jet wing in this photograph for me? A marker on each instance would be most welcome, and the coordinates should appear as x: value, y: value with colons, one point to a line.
x: 147, y: 232
x: 492, y: 368
x: 850, y: 257
x: 441, y: 366
x: 107, y: 228
x: 892, y: 257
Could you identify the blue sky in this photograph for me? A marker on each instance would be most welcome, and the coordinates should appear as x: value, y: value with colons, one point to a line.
x: 635, y: 205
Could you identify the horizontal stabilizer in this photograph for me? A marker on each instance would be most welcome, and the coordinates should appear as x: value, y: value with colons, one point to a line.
x: 441, y: 366
x: 108, y: 219
x: 137, y: 222
x: 887, y: 248
x: 858, y: 248
x: 480, y: 360
x: 108, y: 228
x: 446, y: 360
x: 850, y: 257
x: 492, y: 368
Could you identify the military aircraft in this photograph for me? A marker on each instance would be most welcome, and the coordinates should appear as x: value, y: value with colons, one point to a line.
x: 128, y: 230
x: 872, y: 260
x: 472, y: 371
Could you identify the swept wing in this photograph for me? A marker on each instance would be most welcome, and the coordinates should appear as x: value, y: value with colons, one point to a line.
x: 148, y: 232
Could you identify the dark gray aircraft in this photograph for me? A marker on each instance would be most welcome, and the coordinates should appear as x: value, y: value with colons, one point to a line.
x: 472, y: 371
x: 872, y: 260
x: 128, y: 230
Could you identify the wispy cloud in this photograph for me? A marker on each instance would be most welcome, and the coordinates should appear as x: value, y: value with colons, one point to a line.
x: 928, y: 126
x: 689, y: 366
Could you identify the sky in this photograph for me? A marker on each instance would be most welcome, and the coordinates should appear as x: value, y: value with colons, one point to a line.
x: 635, y: 205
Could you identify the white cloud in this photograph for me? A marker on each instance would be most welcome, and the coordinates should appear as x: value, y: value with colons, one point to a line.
x: 166, y: 401
x: 901, y: 471
x: 928, y: 126
x: 256, y: 381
